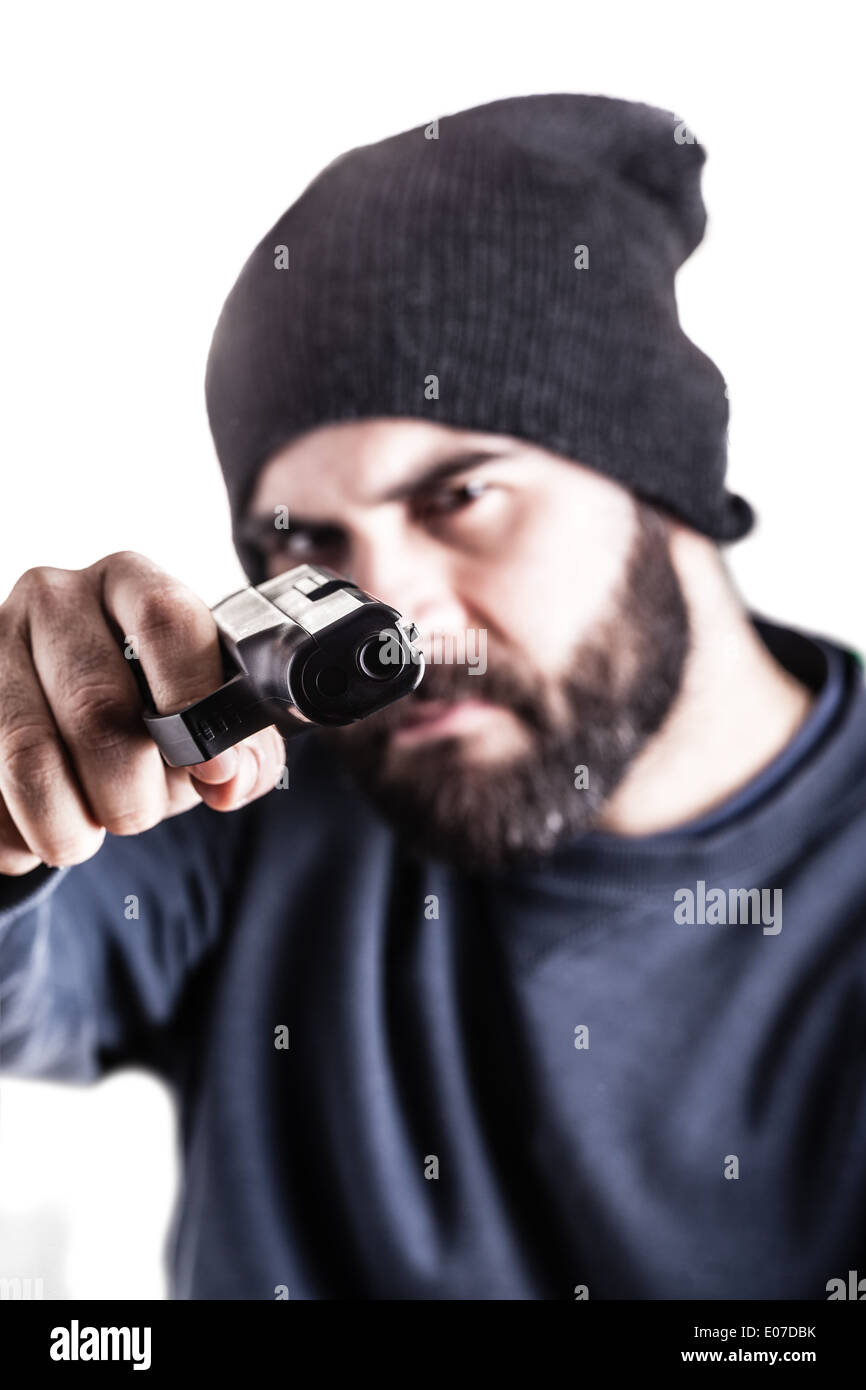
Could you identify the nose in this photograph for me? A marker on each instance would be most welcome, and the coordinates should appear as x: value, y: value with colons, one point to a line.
x: 412, y: 576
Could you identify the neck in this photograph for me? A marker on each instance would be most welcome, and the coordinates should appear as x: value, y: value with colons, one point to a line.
x: 736, y: 711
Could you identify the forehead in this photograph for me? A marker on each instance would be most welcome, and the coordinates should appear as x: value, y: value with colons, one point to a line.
x: 354, y: 462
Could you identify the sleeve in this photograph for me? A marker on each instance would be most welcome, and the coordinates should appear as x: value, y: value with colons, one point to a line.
x: 95, y: 958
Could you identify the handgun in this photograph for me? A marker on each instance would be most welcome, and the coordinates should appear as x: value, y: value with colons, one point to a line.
x: 302, y: 649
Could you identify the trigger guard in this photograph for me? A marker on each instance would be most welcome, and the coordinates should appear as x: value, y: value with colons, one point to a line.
x: 211, y: 725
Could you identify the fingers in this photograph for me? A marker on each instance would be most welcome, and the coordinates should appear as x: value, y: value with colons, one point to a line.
x: 242, y: 774
x: 95, y: 703
x: 222, y: 768
x: 180, y: 791
x: 173, y: 631
x: 177, y: 643
x: 261, y: 758
x: 15, y: 856
x: 37, y: 784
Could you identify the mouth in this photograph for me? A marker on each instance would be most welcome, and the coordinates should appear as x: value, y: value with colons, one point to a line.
x: 440, y: 719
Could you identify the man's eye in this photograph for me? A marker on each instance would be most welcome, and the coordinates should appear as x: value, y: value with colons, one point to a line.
x: 298, y: 542
x: 453, y: 498
x: 302, y: 546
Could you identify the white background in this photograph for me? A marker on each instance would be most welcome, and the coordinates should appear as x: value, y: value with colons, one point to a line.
x: 147, y: 148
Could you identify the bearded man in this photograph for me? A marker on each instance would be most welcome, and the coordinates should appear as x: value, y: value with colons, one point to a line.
x: 437, y: 1023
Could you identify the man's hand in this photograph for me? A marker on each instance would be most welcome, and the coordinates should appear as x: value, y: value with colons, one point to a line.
x: 75, y: 757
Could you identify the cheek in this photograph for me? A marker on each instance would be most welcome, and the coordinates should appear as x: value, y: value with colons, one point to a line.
x: 559, y: 577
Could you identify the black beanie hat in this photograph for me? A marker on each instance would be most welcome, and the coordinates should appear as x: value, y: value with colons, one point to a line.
x: 451, y: 251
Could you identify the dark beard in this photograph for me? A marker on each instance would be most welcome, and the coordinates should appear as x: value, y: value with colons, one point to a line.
x: 617, y: 692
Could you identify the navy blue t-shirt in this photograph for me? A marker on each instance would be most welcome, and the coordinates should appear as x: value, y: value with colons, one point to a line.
x: 546, y: 1082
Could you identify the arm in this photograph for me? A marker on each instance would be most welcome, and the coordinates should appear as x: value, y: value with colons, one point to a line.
x: 94, y: 958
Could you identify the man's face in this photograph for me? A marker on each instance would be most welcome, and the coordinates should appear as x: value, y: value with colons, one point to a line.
x: 551, y: 617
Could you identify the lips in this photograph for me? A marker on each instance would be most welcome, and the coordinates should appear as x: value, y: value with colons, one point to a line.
x: 424, y: 712
x: 430, y: 718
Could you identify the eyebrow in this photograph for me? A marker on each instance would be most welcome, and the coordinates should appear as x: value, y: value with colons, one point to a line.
x: 256, y: 528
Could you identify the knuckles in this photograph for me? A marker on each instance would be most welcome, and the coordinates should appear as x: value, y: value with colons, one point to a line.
x: 45, y: 584
x: 134, y: 820
x: 125, y: 559
x: 29, y: 751
x: 62, y: 851
x: 15, y: 862
x: 99, y: 718
x: 170, y: 609
x: 98, y: 715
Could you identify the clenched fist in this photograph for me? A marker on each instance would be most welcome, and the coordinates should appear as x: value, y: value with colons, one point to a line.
x: 75, y: 757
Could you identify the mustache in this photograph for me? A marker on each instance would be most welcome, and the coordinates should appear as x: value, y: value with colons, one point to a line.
x: 499, y: 684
